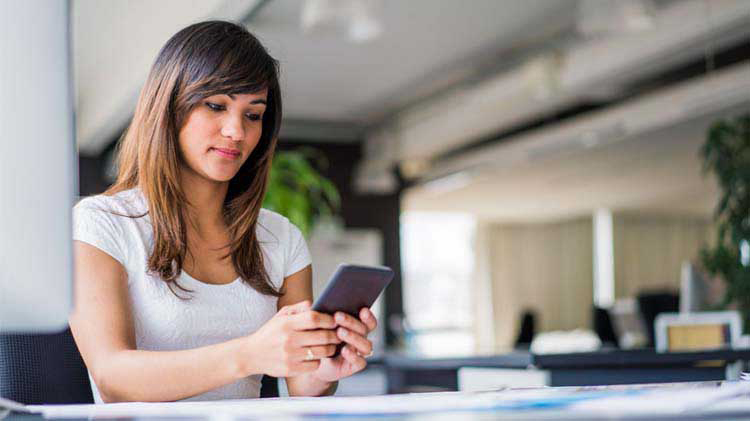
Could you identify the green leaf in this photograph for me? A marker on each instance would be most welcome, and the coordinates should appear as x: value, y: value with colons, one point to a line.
x: 297, y: 189
x: 726, y: 154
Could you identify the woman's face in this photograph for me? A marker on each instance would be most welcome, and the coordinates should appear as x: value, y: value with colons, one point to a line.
x: 220, y: 133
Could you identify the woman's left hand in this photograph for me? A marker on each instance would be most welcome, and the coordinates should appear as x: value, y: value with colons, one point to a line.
x: 353, y: 332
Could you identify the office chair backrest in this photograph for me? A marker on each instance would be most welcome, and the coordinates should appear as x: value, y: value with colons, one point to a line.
x: 269, y: 387
x: 526, y: 330
x: 604, y: 327
x: 653, y: 303
x: 43, y: 368
x: 38, y: 369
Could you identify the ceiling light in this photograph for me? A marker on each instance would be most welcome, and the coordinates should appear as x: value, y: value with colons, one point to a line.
x: 354, y: 18
x: 604, y: 17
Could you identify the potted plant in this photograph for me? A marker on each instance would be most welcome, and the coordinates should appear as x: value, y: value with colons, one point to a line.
x: 297, y: 190
x: 726, y: 153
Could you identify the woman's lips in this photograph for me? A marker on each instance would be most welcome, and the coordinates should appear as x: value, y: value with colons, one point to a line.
x: 227, y: 153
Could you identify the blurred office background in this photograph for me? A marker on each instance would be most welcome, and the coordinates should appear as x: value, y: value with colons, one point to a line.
x: 506, y: 158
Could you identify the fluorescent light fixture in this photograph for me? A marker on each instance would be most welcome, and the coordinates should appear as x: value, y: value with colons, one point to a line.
x: 449, y: 182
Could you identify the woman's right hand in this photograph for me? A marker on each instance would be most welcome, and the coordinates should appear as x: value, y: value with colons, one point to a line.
x: 280, y: 347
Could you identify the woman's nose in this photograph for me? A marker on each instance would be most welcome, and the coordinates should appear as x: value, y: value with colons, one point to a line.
x: 233, y: 128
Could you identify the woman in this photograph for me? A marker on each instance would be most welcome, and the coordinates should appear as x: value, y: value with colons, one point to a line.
x: 185, y: 288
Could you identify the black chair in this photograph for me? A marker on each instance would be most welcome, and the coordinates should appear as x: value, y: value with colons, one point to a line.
x: 653, y: 303
x: 269, y: 387
x: 37, y: 369
x: 526, y: 330
x: 48, y: 369
x: 604, y: 327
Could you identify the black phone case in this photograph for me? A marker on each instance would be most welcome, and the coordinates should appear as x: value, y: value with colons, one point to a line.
x: 352, y: 287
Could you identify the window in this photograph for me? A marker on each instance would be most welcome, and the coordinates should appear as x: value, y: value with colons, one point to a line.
x: 438, y: 263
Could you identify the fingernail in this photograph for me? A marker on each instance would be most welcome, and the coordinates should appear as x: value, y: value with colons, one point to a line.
x: 343, y: 332
x: 339, y: 317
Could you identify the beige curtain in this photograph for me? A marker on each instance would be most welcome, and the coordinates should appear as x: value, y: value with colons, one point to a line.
x: 549, y: 267
x: 649, y: 250
x: 543, y: 267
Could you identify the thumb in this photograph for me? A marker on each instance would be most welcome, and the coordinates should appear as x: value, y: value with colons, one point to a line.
x: 300, y: 307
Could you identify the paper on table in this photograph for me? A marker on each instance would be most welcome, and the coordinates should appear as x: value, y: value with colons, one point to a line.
x: 620, y: 401
x: 7, y: 405
x: 666, y: 402
x: 369, y: 405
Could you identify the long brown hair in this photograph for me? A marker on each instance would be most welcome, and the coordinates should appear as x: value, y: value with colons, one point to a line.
x: 204, y: 59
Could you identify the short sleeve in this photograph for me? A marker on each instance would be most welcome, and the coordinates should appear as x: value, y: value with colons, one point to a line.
x: 297, y: 254
x: 98, y: 228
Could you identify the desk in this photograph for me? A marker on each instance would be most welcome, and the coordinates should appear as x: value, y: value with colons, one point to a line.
x: 406, y: 373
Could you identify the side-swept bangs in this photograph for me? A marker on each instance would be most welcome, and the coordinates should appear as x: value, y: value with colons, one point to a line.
x: 229, y: 60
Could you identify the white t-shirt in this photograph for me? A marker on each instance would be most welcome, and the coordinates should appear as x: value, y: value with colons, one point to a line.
x: 214, y: 313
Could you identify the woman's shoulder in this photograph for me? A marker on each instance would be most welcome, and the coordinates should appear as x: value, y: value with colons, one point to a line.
x: 110, y: 223
x: 273, y: 221
x: 127, y: 204
x: 276, y: 232
x: 124, y: 201
x: 274, y: 226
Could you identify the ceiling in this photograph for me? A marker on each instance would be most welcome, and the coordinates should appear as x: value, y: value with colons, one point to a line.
x: 659, y: 172
x: 341, y: 89
x: 326, y: 78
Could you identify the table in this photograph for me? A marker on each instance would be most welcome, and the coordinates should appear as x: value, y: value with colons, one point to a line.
x: 607, y: 367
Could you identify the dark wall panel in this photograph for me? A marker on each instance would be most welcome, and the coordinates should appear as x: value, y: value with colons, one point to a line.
x: 380, y: 212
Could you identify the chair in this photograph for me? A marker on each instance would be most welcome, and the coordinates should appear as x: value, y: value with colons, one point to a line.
x: 653, y: 303
x: 604, y: 327
x: 269, y: 387
x: 526, y: 330
x: 48, y: 369
x: 43, y: 368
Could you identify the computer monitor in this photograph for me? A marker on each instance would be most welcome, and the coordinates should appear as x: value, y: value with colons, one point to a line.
x: 37, y: 166
x: 694, y: 290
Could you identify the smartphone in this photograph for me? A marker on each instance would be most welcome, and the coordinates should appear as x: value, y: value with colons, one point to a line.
x: 352, y: 287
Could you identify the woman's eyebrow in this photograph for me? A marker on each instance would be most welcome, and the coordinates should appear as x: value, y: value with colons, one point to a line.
x: 253, y: 102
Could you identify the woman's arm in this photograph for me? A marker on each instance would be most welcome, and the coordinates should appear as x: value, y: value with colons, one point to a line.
x: 102, y: 325
x: 350, y: 330
x: 298, y: 288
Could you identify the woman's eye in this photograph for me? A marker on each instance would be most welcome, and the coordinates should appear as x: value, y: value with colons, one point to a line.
x: 253, y: 117
x: 215, y: 107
